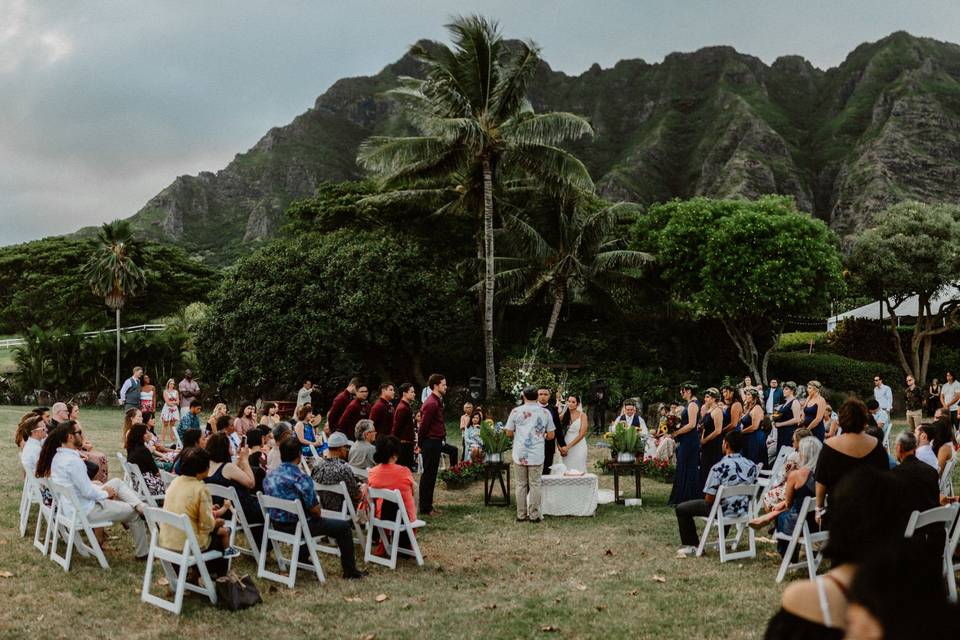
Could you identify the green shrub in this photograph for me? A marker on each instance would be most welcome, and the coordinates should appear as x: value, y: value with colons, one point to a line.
x: 837, y: 373
x: 800, y: 341
x: 861, y: 339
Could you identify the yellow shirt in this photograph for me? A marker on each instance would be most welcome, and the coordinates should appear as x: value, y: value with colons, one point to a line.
x: 189, y: 496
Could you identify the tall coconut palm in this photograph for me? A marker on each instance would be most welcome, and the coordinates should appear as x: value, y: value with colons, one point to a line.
x: 476, y: 124
x: 580, y: 255
x: 113, y: 273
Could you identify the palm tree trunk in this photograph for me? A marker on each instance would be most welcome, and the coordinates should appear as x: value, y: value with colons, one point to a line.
x: 116, y: 377
x: 488, y: 276
x: 559, y: 296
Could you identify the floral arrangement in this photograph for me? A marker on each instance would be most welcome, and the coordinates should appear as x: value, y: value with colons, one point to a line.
x: 624, y: 439
x: 650, y: 468
x: 494, y: 438
x: 463, y: 472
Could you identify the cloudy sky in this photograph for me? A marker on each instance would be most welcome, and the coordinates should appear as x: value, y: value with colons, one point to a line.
x: 103, y: 103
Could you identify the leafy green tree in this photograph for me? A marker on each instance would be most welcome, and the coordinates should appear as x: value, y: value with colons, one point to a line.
x: 331, y: 306
x: 581, y: 254
x: 476, y: 131
x: 914, y: 250
x: 113, y: 272
x: 748, y: 264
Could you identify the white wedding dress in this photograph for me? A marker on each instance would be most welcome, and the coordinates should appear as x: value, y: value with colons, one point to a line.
x: 576, y: 458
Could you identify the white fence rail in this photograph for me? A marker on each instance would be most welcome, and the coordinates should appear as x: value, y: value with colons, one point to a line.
x: 10, y: 343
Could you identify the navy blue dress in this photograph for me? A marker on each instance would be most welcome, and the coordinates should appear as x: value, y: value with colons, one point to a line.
x: 785, y: 434
x: 711, y: 452
x: 686, y: 480
x: 809, y: 415
x: 754, y: 443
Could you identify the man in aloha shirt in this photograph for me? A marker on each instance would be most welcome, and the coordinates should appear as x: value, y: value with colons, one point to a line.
x: 529, y: 425
x: 732, y: 470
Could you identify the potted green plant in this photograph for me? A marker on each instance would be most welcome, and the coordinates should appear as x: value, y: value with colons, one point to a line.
x: 627, y: 442
x: 495, y: 441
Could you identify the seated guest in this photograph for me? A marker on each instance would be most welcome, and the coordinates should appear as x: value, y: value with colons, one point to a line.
x: 31, y: 433
x: 114, y: 501
x: 188, y: 495
x: 471, y: 435
x: 843, y: 453
x: 238, y: 475
x: 89, y: 454
x: 361, y: 453
x: 225, y: 425
x: 332, y: 469
x: 630, y: 416
x: 289, y: 482
x: 131, y: 417
x: 387, y: 474
x: 778, y: 484
x: 219, y: 410
x: 881, y: 417
x: 800, y: 484
x: 944, y: 441
x: 924, y: 435
x: 303, y: 429
x: 918, y: 488
x: 190, y: 438
x: 60, y: 412
x: 732, y: 470
x: 139, y: 455
x: 258, y: 458
x: 190, y: 420
x: 280, y: 433
x: 269, y: 417
x: 863, y: 520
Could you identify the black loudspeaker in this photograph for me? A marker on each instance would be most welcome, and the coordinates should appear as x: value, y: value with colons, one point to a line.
x: 476, y: 388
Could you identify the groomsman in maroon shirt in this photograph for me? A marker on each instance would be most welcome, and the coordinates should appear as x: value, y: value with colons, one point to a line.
x: 340, y: 404
x: 354, y: 412
x: 404, y: 428
x: 433, y: 430
x: 382, y: 410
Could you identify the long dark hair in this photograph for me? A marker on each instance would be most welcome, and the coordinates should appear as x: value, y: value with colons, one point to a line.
x: 243, y: 408
x: 53, y: 442
x: 565, y: 419
x: 135, y: 436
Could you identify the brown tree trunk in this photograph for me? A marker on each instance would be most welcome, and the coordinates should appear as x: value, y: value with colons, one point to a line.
x: 559, y: 296
x: 488, y: 280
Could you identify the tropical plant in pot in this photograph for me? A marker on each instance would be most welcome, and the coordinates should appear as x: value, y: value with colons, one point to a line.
x: 627, y: 442
x: 495, y: 441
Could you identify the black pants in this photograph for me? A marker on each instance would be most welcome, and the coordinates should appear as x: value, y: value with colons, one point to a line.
x: 430, y: 449
x: 453, y: 452
x: 406, y: 457
x: 686, y: 512
x: 339, y: 530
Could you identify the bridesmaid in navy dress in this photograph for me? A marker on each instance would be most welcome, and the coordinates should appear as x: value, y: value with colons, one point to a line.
x: 732, y: 408
x: 754, y: 437
x: 711, y: 439
x: 686, y: 480
x: 815, y: 410
x: 791, y: 415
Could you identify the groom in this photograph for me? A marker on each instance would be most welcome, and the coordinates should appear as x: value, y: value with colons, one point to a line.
x: 550, y: 446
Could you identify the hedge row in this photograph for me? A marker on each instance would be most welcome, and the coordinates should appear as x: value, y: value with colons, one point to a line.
x: 837, y: 373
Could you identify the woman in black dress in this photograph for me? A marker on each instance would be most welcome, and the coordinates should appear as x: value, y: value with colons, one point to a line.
x: 711, y: 433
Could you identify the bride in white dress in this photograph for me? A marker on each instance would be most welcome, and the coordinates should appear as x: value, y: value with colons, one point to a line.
x: 576, y: 424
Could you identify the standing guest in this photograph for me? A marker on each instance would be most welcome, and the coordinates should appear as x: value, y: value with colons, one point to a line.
x: 915, y: 399
x: 189, y: 390
x: 790, y: 416
x: 96, y: 461
x: 138, y: 454
x: 924, y: 435
x: 303, y: 429
x: 731, y: 470
x: 339, y: 405
x: 950, y: 396
x: 751, y: 426
x: 219, y: 411
x: 281, y: 432
x: 147, y: 397
x: 431, y: 435
x: 389, y: 475
x: 815, y: 410
x: 772, y: 396
x: 597, y: 404
x: 381, y: 413
x: 245, y: 421
x: 404, y: 428
x: 361, y: 453
x: 711, y: 437
x: 269, y: 417
x: 130, y: 391
x: 882, y: 394
x: 846, y: 452
x: 289, y: 482
x: 170, y: 412
x: 258, y: 458
x: 933, y: 396
x: 237, y: 474
x: 686, y: 479
x: 347, y: 423
x: 559, y: 441
x: 732, y: 407
x: 112, y: 501
x: 304, y: 394
x: 333, y: 469
x: 190, y: 421
x: 530, y: 426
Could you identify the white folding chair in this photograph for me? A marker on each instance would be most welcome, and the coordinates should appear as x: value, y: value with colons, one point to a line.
x: 771, y: 477
x: 946, y: 516
x: 123, y: 465
x: 718, y: 521
x: 167, y: 477
x: 946, y: 478
x: 399, y: 524
x: 45, y: 516
x: 238, y: 519
x: 138, y: 484
x: 346, y: 513
x: 275, y: 538
x: 177, y: 439
x: 359, y: 473
x: 71, y: 523
x: 886, y: 435
x: 190, y: 555
x: 811, y: 542
x: 28, y: 497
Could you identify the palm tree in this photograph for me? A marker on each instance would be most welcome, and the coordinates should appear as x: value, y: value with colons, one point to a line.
x: 478, y: 129
x: 581, y: 255
x: 113, y: 273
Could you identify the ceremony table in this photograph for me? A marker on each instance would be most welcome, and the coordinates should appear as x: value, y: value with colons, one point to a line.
x: 569, y: 495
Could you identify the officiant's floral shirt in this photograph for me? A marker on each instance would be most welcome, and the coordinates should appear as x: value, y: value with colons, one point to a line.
x: 732, y: 470
x: 530, y: 424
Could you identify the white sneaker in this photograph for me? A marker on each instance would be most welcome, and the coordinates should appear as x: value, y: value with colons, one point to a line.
x: 686, y: 552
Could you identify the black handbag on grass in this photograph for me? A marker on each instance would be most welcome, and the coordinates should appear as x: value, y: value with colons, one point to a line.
x: 236, y: 592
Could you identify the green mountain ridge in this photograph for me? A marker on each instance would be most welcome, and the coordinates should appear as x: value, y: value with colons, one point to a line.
x: 881, y: 127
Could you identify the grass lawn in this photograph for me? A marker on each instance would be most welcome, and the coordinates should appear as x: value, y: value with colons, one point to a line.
x: 485, y: 577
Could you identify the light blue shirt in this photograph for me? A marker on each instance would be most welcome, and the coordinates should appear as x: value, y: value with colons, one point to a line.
x: 884, y: 397
x: 69, y: 470
x: 530, y: 423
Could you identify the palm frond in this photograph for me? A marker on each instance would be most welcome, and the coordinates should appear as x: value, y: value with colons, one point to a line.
x: 620, y: 259
x: 386, y: 155
x: 546, y: 129
x: 556, y: 168
x: 523, y: 234
x: 511, y: 92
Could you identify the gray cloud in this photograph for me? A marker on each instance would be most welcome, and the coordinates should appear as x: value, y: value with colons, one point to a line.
x: 103, y: 104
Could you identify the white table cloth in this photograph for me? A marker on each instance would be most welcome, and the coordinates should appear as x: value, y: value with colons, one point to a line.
x: 569, y: 495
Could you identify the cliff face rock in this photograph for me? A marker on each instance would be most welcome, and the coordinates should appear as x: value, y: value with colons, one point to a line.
x: 881, y: 127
